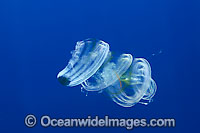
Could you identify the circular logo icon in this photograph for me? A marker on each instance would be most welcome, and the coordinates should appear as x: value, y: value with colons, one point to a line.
x: 30, y: 121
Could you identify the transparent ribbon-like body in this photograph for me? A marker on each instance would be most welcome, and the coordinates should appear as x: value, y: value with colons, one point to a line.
x: 126, y: 80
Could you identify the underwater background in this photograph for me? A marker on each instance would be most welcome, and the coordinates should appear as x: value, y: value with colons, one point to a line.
x: 36, y: 38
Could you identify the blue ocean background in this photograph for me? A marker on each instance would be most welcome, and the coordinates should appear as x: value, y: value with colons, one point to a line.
x: 36, y: 38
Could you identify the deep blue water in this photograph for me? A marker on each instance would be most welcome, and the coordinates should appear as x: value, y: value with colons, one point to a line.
x: 36, y: 38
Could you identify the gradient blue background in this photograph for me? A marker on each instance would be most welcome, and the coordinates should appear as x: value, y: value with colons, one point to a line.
x: 36, y: 37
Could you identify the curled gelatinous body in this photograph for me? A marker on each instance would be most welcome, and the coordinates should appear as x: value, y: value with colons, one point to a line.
x: 126, y: 80
x: 135, y: 85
